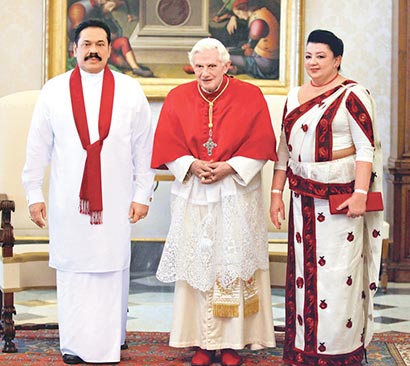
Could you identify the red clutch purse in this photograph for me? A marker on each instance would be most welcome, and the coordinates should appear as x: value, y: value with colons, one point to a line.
x: 374, y: 202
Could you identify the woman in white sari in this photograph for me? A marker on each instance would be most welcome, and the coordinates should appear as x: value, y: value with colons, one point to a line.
x: 329, y: 145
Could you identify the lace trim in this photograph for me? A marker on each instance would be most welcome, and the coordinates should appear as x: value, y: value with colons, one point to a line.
x: 224, y: 240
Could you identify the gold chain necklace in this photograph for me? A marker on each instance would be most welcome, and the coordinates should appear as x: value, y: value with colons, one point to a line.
x: 210, y: 144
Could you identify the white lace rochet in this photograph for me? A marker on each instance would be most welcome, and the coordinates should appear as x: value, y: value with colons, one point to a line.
x: 225, y: 240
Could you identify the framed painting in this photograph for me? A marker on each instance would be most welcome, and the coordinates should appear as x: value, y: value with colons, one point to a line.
x: 151, y: 38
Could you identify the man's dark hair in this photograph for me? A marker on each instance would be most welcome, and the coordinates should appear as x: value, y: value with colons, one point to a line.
x: 94, y: 23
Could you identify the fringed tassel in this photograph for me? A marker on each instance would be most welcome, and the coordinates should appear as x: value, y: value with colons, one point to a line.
x: 226, y: 310
x: 251, y: 297
x: 95, y: 216
x: 84, y: 207
x: 225, y: 302
x: 251, y: 305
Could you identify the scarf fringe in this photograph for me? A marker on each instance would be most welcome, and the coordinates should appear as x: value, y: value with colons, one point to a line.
x: 84, y: 207
x: 95, y: 216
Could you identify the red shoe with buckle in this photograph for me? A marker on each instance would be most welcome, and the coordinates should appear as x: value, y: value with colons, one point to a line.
x: 230, y: 358
x: 202, y: 357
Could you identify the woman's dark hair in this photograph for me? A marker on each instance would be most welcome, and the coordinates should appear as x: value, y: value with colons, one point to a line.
x: 326, y: 37
x: 95, y: 23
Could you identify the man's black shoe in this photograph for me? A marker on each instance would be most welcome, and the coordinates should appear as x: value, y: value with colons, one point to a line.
x: 71, y: 359
x: 124, y: 346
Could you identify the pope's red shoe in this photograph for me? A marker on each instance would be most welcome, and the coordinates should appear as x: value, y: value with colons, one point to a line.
x: 202, y: 357
x: 230, y: 358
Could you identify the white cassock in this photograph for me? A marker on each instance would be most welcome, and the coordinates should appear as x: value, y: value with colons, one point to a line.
x: 218, y: 231
x: 92, y: 261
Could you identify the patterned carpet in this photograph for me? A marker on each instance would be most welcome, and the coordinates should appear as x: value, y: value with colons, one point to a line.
x: 40, y: 347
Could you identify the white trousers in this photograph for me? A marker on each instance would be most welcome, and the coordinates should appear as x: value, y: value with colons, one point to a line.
x: 92, y: 314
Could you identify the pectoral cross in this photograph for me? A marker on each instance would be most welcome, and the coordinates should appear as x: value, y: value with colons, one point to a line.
x: 210, y: 145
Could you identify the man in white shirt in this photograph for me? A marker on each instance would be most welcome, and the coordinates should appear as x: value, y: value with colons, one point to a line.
x: 93, y: 126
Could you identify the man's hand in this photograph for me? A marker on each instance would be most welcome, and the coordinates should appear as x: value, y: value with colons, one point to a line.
x: 137, y: 212
x: 200, y: 169
x: 219, y: 171
x: 210, y: 172
x: 38, y: 214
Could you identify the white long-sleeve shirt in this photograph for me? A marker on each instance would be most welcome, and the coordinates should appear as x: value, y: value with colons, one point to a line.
x: 75, y: 244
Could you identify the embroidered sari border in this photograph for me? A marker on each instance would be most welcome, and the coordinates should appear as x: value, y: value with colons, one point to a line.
x: 311, y: 188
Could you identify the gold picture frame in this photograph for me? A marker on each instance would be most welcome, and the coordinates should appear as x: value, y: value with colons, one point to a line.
x: 291, y: 30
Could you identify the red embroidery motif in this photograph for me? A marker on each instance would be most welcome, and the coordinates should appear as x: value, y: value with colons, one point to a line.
x: 298, y: 237
x: 321, y: 217
x: 322, y: 153
x: 324, y: 131
x: 349, y: 323
x: 299, y: 282
x: 323, y: 304
x: 356, y: 108
x: 376, y: 233
x: 309, y: 322
x: 322, y: 347
x: 349, y: 281
x: 300, y: 320
x: 304, y: 127
x: 362, y: 117
x: 322, y: 261
x: 350, y: 236
x: 316, y: 189
x: 372, y: 286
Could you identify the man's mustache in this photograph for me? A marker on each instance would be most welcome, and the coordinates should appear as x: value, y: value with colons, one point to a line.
x: 93, y: 55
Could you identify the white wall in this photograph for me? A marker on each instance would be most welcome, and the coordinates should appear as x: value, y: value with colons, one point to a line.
x: 21, y: 44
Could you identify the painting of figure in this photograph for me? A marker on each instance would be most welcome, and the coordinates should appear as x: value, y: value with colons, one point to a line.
x: 250, y: 29
x: 122, y: 56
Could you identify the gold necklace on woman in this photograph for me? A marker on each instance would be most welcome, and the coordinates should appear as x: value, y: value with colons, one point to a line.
x: 210, y: 144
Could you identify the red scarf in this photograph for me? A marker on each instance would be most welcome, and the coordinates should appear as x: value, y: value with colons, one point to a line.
x: 91, y: 191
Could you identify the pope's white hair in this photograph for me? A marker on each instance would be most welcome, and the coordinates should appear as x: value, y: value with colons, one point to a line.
x: 209, y: 44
